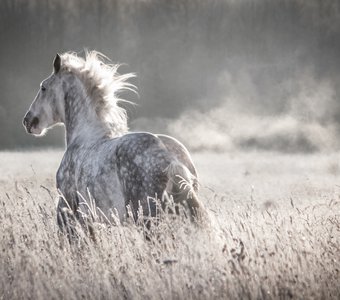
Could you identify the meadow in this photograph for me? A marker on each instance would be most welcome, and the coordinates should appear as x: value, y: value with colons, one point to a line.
x: 274, y: 233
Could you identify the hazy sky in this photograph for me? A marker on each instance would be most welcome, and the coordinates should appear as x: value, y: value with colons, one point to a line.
x: 248, y: 74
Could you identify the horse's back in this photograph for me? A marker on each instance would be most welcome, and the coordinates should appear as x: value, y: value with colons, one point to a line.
x: 165, y: 147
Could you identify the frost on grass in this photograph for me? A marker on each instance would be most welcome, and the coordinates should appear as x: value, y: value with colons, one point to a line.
x: 274, y: 233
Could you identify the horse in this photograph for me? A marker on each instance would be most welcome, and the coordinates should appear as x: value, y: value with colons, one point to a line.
x: 123, y: 171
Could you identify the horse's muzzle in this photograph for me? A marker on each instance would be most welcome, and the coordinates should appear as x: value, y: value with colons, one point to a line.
x: 30, y: 122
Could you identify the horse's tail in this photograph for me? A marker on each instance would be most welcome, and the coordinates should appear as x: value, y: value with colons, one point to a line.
x: 182, y: 186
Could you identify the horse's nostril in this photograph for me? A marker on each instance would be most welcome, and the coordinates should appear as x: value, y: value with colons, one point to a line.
x: 34, y: 122
x: 27, y: 118
x: 30, y: 122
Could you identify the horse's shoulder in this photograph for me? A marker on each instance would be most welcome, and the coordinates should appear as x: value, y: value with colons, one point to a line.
x: 71, y: 158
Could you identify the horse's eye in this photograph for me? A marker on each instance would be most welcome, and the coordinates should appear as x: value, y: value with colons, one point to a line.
x: 43, y: 88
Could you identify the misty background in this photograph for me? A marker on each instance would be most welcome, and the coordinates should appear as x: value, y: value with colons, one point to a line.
x: 217, y: 74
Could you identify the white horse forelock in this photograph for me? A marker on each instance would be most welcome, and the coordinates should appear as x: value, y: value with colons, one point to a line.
x: 103, y: 84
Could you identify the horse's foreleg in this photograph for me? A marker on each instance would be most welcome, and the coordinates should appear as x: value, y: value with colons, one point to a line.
x: 66, y: 219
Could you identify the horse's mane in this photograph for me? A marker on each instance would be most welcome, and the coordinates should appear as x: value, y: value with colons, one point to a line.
x: 103, y: 84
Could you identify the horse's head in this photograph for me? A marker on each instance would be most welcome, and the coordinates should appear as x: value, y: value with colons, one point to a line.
x: 80, y: 93
x: 47, y: 108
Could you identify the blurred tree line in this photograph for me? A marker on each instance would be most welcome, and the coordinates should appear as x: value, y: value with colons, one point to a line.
x: 178, y: 48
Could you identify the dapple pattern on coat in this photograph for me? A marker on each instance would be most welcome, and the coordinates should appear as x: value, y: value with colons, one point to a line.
x: 102, y: 159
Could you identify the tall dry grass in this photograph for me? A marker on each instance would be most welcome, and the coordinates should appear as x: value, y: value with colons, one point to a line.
x: 274, y: 234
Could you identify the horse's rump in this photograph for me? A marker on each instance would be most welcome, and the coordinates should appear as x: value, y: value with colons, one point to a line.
x: 148, y: 166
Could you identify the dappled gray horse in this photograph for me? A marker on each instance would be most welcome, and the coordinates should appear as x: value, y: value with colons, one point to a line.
x: 102, y: 160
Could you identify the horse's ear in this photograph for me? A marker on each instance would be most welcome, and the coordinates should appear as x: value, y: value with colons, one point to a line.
x: 56, y: 63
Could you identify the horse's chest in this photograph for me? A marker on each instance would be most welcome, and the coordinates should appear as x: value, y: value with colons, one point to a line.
x: 94, y: 176
x: 66, y: 180
x: 66, y: 175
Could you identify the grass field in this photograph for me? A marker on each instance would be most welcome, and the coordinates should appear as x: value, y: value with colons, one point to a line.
x: 274, y: 234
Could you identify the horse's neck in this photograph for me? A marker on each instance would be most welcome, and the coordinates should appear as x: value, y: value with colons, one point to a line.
x: 82, y: 125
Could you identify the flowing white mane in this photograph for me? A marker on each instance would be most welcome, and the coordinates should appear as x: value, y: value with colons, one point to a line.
x: 103, y: 84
